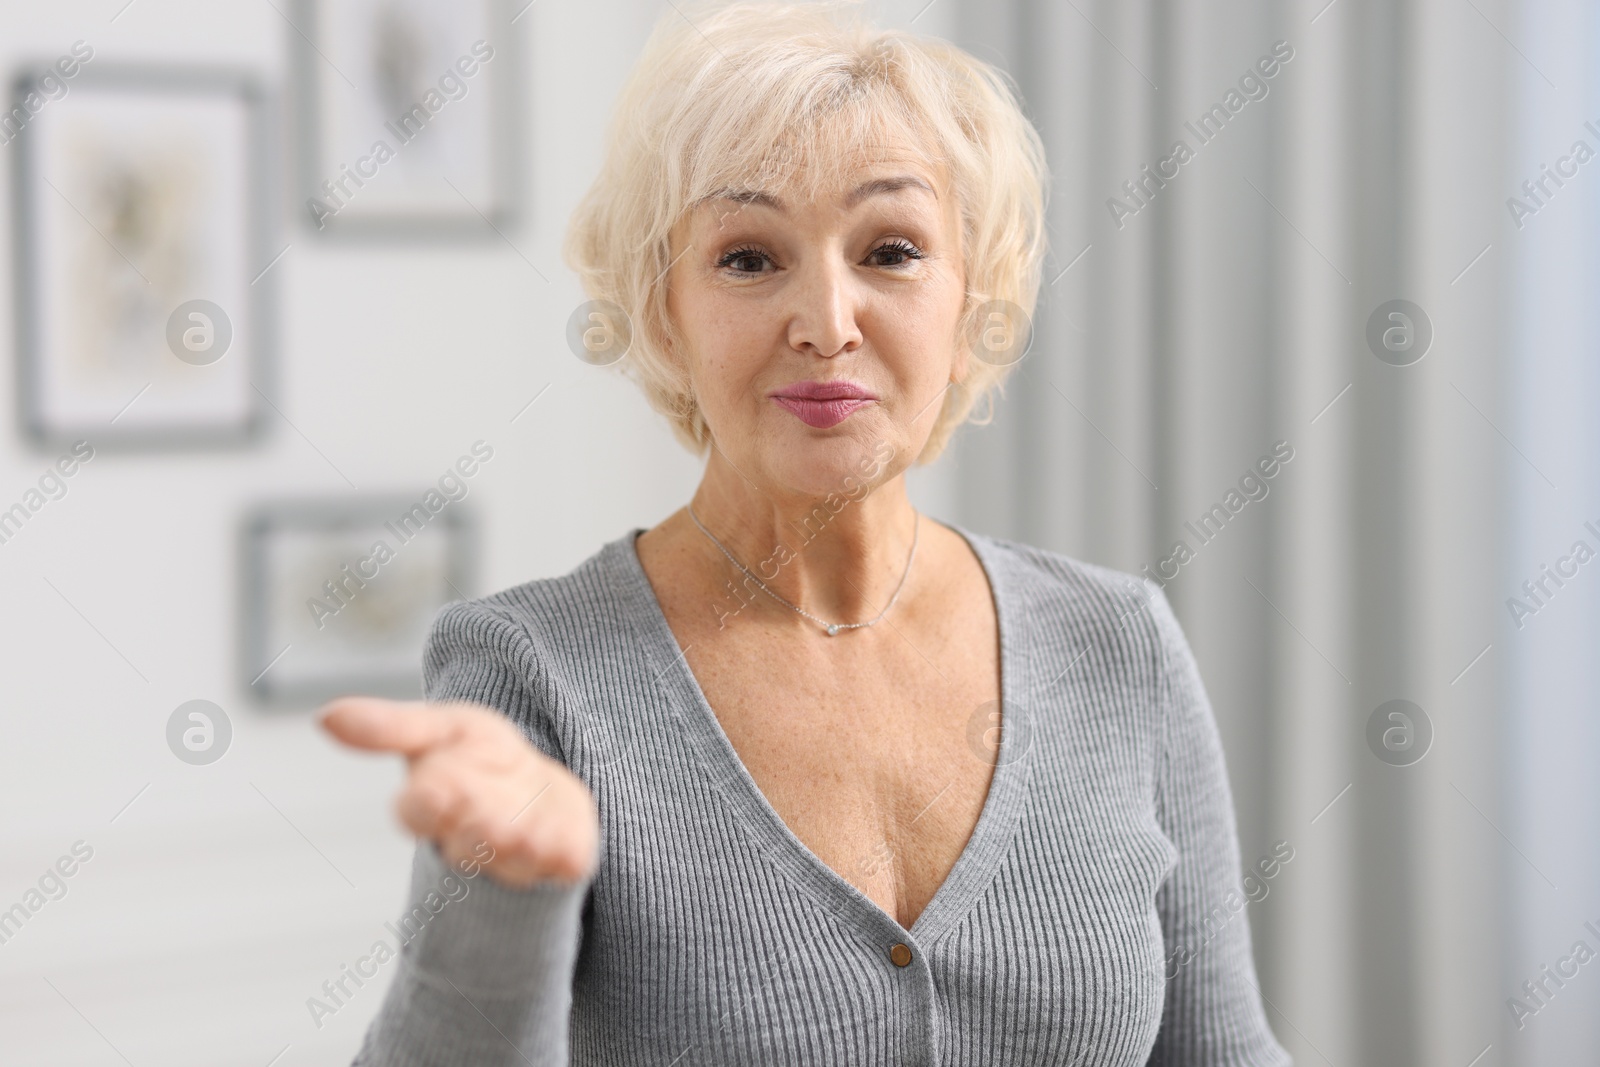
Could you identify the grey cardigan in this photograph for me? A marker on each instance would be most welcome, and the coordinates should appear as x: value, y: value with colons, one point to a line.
x: 1080, y: 925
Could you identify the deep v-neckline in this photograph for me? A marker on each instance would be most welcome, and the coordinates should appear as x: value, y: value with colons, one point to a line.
x: 975, y: 867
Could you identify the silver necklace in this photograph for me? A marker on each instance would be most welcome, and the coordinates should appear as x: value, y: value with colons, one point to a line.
x: 830, y: 628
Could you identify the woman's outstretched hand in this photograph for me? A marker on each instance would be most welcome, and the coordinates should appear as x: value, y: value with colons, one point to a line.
x: 475, y: 779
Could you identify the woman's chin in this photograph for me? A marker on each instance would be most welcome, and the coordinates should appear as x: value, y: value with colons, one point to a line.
x: 839, y: 466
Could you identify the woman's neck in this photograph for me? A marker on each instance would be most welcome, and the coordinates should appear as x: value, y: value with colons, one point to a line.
x: 839, y: 554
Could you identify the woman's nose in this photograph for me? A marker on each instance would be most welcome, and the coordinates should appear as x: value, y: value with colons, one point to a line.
x: 824, y: 313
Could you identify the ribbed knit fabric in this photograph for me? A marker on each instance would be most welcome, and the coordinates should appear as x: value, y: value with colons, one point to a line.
x: 1092, y: 918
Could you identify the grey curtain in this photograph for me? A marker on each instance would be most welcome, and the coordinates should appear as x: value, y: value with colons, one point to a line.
x: 1216, y: 307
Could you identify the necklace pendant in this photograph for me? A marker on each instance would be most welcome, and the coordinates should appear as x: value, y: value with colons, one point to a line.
x: 833, y: 629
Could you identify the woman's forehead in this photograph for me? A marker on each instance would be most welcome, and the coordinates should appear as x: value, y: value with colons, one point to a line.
x: 848, y: 179
x: 820, y: 157
x: 884, y: 178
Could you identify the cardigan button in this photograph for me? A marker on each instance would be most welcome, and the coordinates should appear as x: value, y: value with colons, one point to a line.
x: 900, y: 955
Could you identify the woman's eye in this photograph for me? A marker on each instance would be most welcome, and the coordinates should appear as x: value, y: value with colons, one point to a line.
x: 744, y: 261
x: 894, y: 254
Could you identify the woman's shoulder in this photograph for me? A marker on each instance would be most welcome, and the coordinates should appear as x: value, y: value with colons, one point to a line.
x: 1054, y: 574
x: 585, y: 606
x: 1092, y: 601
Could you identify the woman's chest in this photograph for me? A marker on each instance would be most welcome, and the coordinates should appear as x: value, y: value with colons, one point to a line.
x: 877, y: 770
x: 1058, y: 922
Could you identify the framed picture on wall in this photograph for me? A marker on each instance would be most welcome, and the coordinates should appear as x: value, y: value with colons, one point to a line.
x: 140, y: 240
x: 337, y: 595
x: 407, y: 116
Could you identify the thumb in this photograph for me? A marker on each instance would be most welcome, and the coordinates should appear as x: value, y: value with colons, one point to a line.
x: 409, y: 728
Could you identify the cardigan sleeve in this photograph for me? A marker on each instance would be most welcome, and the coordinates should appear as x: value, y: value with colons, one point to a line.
x: 485, y: 971
x: 1212, y: 1014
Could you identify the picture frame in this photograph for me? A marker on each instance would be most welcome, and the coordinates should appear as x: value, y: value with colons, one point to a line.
x: 325, y: 613
x: 140, y: 236
x: 408, y: 118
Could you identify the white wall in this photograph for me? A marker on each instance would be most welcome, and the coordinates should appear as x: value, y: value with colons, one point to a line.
x: 1552, y: 738
x: 219, y: 901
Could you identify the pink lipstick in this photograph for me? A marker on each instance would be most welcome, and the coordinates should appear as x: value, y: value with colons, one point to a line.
x: 823, y: 404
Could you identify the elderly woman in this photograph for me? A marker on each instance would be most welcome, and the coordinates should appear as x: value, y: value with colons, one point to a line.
x: 800, y: 776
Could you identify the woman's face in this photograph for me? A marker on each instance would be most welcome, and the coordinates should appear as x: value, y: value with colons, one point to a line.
x: 817, y: 332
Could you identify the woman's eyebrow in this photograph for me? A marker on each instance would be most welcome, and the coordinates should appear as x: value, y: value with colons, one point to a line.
x: 875, y: 187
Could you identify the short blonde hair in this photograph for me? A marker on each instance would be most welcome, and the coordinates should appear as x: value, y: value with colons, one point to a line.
x: 735, y: 95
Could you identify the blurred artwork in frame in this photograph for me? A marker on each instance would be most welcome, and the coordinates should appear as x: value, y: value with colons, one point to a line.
x: 407, y: 117
x: 338, y: 594
x: 139, y: 240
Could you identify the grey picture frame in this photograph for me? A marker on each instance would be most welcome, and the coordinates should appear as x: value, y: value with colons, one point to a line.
x: 269, y: 667
x: 327, y: 181
x: 45, y: 429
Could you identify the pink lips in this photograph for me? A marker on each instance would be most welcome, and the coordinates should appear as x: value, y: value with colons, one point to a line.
x: 823, y: 404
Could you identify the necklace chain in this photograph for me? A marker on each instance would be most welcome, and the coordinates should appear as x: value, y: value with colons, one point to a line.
x: 830, y: 628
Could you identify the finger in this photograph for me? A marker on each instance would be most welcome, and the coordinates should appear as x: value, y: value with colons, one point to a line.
x: 407, y: 727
